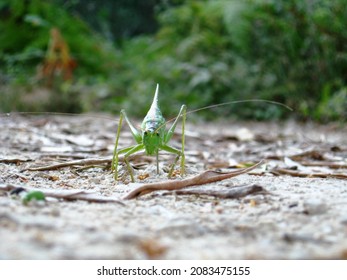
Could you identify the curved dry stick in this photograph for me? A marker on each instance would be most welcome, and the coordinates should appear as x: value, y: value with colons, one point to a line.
x: 69, y: 163
x: 206, y: 177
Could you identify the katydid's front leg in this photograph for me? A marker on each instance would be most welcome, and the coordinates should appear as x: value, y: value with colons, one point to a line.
x: 126, y: 151
x: 129, y: 151
x: 168, y: 136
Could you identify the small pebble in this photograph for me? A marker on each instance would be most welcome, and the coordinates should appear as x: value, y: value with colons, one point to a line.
x: 315, y: 207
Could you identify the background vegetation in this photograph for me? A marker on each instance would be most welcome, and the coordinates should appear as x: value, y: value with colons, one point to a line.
x: 201, y: 52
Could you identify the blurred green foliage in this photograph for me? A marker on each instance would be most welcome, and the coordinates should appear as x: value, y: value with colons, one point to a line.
x: 24, y: 35
x: 117, y: 20
x: 201, y: 52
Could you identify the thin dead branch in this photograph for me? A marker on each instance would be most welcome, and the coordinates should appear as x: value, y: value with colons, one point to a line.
x: 14, y: 160
x: 82, y: 162
x: 291, y: 238
x: 206, y: 177
x: 314, y: 154
x: 66, y: 194
x: 235, y: 192
x: 332, y: 165
x: 294, y: 173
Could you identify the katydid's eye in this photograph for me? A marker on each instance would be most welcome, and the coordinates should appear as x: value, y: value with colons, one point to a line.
x: 146, y: 132
x: 157, y: 134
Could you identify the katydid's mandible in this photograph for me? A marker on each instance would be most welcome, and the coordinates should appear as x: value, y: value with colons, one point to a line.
x: 152, y: 137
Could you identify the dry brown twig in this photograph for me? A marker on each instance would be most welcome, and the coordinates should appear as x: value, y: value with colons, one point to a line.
x: 206, y: 177
x: 81, y: 162
x: 66, y: 194
x: 332, y: 165
x: 235, y: 192
x: 295, y: 173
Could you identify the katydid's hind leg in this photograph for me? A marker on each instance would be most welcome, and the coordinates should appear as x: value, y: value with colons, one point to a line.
x: 172, y: 168
x: 157, y: 158
x: 169, y: 134
x: 126, y: 160
x: 178, y: 154
x: 183, y: 139
x: 136, y: 134
x: 115, y: 160
x: 114, y: 164
x: 127, y: 152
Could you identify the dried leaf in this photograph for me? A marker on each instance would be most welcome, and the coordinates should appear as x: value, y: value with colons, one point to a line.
x: 313, y: 154
x: 143, y: 176
x: 152, y: 248
x: 58, y: 59
x: 33, y: 195
x: 293, y: 164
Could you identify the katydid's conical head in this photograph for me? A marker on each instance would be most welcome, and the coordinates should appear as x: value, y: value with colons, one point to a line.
x: 155, y: 107
x: 154, y: 119
x: 156, y: 93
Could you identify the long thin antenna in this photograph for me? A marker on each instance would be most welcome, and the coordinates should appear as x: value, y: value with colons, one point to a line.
x: 232, y: 102
x: 10, y: 114
x: 241, y: 101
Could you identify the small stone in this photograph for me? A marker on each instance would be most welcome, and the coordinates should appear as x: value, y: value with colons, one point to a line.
x: 315, y: 207
x: 344, y: 220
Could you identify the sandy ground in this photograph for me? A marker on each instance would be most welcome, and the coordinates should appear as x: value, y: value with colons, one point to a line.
x: 302, y: 214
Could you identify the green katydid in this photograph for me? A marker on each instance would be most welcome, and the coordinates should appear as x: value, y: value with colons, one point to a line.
x: 154, y: 137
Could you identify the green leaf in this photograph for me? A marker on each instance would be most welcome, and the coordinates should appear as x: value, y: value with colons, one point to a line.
x: 33, y: 195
